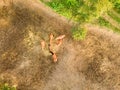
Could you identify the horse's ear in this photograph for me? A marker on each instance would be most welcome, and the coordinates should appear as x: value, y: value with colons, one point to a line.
x: 54, y: 57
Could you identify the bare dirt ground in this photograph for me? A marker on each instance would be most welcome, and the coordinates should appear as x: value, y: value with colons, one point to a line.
x: 91, y: 64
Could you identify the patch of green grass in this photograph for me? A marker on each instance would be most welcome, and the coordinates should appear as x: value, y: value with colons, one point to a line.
x: 59, y: 8
x: 117, y: 6
x: 102, y: 22
x: 82, y: 12
x: 6, y: 87
x: 112, y: 15
x: 79, y: 33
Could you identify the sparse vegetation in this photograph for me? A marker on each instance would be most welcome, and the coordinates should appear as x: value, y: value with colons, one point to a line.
x: 102, y: 22
x: 112, y: 15
x: 6, y: 87
x: 79, y: 33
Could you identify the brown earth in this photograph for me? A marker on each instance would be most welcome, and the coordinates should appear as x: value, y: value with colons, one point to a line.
x: 91, y: 64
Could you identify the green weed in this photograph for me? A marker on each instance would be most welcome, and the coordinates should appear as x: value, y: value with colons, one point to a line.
x: 79, y: 33
x: 7, y: 87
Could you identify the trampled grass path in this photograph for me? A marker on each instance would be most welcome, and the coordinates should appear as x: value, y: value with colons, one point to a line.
x: 115, y: 13
x: 112, y: 21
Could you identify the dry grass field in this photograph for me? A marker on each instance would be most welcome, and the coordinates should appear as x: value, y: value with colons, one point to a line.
x: 90, y: 64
